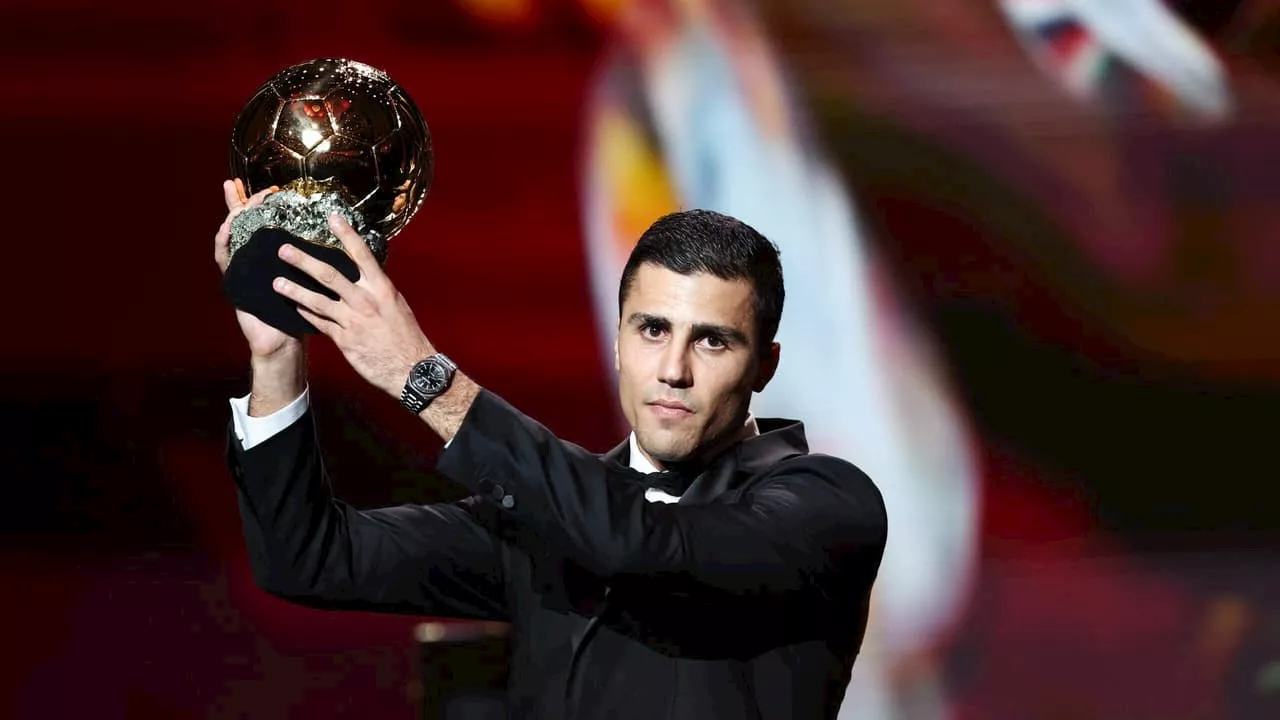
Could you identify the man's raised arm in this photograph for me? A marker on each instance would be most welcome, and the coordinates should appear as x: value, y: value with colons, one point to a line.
x: 308, y: 547
x: 305, y: 545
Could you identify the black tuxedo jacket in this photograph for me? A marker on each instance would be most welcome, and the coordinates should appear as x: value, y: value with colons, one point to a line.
x: 747, y: 599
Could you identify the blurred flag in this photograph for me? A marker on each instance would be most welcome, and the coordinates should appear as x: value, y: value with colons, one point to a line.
x: 691, y: 110
x: 1123, y: 54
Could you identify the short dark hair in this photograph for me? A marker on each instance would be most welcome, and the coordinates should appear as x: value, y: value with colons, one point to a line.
x: 705, y: 241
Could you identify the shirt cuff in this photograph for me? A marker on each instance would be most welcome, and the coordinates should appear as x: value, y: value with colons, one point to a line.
x: 251, y: 431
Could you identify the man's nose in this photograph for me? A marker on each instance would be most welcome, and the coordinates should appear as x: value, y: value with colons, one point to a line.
x: 675, y: 369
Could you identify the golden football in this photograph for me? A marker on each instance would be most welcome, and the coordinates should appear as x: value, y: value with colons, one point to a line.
x: 337, y: 126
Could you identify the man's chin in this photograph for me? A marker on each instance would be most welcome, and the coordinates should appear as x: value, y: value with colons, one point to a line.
x: 665, y: 450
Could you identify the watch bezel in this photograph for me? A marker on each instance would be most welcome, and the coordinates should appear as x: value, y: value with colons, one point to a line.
x: 428, y: 379
x: 429, y: 376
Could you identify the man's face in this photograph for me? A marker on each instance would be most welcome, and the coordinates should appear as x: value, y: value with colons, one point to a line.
x: 687, y: 360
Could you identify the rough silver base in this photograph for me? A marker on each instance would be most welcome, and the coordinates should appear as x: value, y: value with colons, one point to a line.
x: 305, y: 217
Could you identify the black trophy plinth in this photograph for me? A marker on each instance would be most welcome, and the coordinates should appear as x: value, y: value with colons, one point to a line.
x: 256, y: 265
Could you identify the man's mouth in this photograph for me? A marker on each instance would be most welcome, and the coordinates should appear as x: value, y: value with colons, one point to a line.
x: 670, y: 408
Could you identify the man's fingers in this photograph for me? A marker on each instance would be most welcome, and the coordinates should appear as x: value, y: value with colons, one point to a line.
x: 315, y: 302
x: 356, y: 247
x: 234, y: 195
x: 324, y: 273
x: 259, y: 196
x: 324, y: 325
x: 222, y: 245
x: 231, y: 193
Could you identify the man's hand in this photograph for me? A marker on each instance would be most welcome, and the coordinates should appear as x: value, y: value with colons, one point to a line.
x: 278, y: 360
x: 370, y: 322
x: 264, y: 340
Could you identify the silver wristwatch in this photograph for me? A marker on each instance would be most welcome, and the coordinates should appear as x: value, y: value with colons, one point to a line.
x: 427, y: 381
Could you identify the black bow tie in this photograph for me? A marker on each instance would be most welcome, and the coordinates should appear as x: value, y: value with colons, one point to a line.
x: 672, y: 482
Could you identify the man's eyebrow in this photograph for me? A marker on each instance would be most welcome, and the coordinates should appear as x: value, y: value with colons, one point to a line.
x: 640, y: 318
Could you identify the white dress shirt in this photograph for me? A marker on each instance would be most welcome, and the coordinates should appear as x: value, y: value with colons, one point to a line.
x: 640, y: 463
x: 251, y: 431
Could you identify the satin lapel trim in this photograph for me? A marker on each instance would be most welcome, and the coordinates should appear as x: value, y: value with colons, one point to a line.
x: 715, y: 480
x: 777, y: 441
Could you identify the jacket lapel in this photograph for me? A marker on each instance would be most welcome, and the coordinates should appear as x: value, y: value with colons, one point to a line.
x: 777, y: 441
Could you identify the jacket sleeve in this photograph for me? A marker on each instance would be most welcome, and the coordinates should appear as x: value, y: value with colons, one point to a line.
x: 307, y: 547
x: 809, y: 520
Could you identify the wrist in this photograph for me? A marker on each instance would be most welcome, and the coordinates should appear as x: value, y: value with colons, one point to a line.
x: 427, y: 380
x: 289, y: 352
x: 445, y: 415
x: 278, y: 379
x: 397, y: 382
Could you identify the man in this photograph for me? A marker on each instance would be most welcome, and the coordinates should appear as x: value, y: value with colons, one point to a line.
x: 692, y: 109
x: 704, y: 568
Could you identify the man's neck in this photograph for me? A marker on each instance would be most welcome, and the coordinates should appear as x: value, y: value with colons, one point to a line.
x: 640, y: 461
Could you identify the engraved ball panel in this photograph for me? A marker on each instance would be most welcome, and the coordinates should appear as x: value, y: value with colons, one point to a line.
x: 270, y: 163
x: 257, y: 121
x: 346, y: 162
x: 303, y: 124
x: 239, y: 163
x: 417, y: 139
x: 360, y: 114
x: 396, y: 173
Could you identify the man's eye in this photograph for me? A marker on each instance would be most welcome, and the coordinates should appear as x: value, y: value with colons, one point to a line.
x: 715, y: 342
x: 651, y: 331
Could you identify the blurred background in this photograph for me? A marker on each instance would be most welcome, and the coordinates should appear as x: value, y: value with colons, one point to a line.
x: 1033, y: 274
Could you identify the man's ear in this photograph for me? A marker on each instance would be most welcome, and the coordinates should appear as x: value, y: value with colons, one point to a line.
x: 617, y: 363
x: 768, y: 366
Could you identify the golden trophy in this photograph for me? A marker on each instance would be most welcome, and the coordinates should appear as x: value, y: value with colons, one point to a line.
x: 337, y: 137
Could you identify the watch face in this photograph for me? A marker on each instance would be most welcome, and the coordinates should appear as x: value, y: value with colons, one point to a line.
x: 428, y: 378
